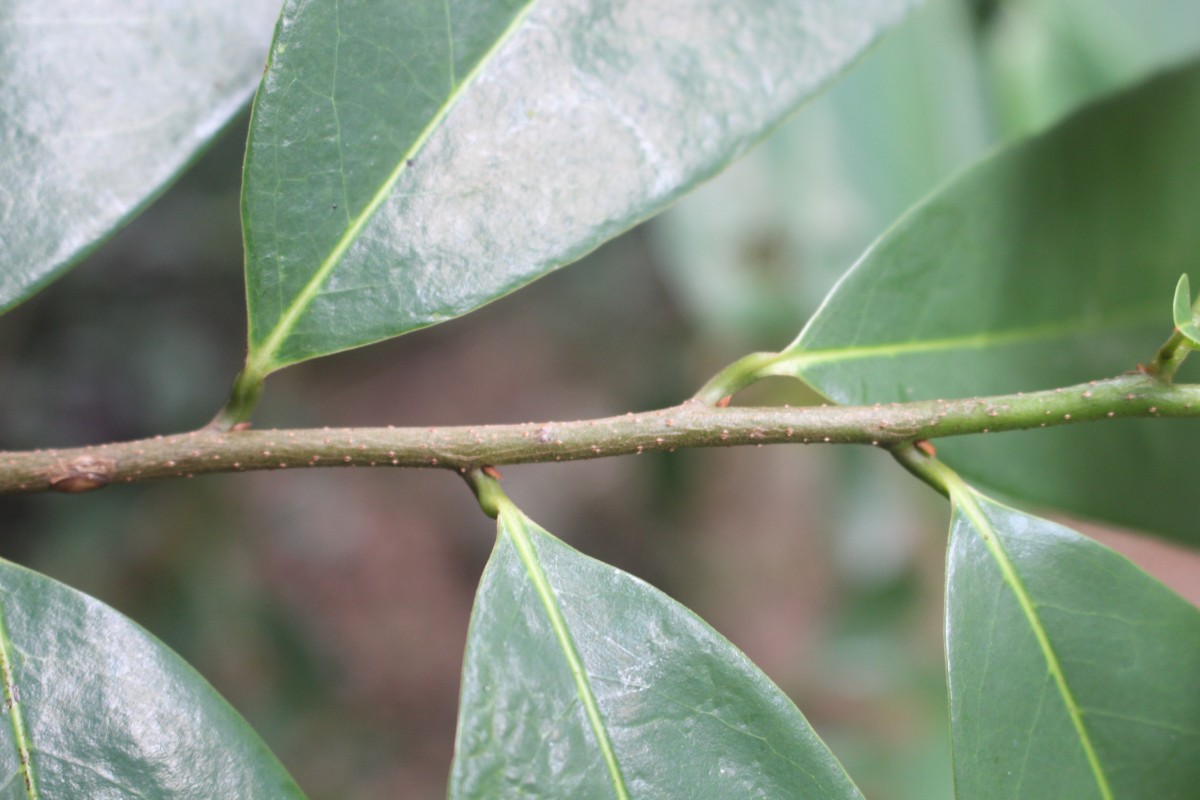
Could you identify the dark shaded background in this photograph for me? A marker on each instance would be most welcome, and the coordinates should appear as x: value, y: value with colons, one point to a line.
x: 330, y: 606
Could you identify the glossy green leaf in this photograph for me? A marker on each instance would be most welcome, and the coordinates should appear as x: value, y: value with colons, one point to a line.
x: 582, y: 681
x: 96, y: 707
x: 408, y: 163
x: 101, y: 105
x: 1071, y: 672
x: 1042, y: 266
x: 1185, y: 318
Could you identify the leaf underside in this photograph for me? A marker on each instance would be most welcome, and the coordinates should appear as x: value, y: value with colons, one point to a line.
x: 1044, y: 265
x: 101, y: 105
x: 1071, y: 672
x: 407, y: 165
x: 102, y: 709
x: 684, y: 713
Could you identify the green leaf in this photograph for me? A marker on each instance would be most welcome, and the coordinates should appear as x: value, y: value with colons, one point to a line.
x: 96, y: 707
x: 1072, y: 673
x: 582, y: 681
x: 101, y: 105
x: 1185, y: 320
x: 1042, y: 266
x: 542, y: 130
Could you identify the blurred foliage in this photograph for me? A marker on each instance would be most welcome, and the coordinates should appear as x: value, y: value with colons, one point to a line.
x: 331, y: 607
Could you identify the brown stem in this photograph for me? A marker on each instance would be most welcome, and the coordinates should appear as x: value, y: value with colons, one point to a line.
x: 692, y: 424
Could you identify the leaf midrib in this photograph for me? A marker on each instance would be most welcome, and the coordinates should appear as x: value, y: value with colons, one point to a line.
x: 513, y: 523
x: 12, y: 703
x: 794, y: 360
x: 965, y: 499
x: 261, y: 360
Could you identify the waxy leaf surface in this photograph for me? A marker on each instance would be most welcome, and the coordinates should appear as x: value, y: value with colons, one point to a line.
x: 1072, y: 672
x: 101, y: 104
x: 583, y: 681
x: 410, y: 162
x: 96, y: 707
x: 1052, y: 262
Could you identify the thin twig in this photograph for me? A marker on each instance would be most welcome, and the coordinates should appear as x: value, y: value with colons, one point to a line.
x: 692, y: 424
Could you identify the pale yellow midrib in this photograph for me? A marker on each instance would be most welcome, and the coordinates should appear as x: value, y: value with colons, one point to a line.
x: 260, y: 361
x: 790, y: 363
x: 515, y: 524
x: 965, y: 499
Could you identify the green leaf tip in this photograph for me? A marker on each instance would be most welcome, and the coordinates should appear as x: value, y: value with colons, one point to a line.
x: 1184, y: 315
x: 1182, y: 308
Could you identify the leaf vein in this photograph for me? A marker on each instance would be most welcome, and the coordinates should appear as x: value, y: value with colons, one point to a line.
x: 514, y: 524
x: 262, y: 359
x: 965, y: 499
x: 794, y: 360
x: 12, y: 702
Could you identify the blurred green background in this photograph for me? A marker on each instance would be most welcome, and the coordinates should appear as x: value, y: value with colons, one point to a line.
x: 330, y: 607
